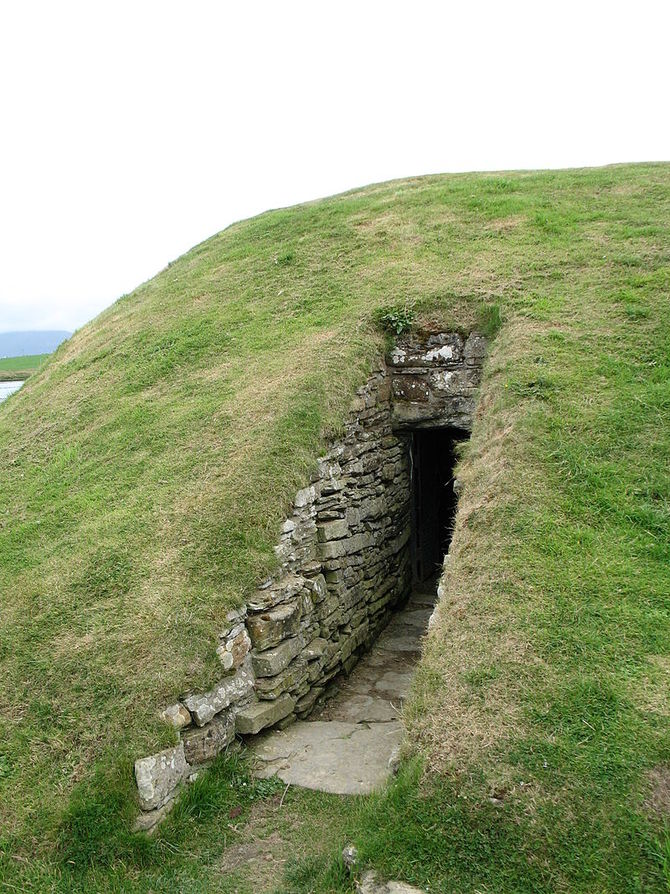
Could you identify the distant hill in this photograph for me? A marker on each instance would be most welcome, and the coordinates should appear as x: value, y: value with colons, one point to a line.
x: 16, y: 344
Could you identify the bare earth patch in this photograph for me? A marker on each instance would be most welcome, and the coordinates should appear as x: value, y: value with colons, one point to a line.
x: 658, y: 800
x: 274, y: 835
x: 260, y: 855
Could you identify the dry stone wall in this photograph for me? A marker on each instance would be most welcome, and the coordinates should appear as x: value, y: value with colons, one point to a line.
x: 344, y: 565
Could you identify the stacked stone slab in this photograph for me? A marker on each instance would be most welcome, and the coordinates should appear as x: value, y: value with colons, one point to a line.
x: 435, y: 380
x: 343, y: 566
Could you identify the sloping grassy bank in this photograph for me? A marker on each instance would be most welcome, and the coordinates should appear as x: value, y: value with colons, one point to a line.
x: 145, y: 469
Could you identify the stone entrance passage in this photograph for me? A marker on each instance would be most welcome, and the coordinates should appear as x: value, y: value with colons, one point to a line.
x: 347, y: 746
x: 322, y: 652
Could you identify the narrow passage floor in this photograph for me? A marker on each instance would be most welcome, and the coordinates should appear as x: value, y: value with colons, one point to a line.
x: 345, y: 747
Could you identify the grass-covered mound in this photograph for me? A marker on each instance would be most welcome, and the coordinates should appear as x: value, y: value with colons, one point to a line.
x: 145, y: 469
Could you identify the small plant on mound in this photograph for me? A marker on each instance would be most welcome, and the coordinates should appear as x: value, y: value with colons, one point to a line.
x: 395, y: 319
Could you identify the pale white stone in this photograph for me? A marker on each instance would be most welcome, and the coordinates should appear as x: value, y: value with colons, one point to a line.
x: 305, y: 496
x: 446, y: 352
x: 232, y: 689
x: 176, y: 715
x: 225, y: 657
x: 158, y: 776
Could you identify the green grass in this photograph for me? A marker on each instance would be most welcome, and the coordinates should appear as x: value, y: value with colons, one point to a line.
x: 146, y: 467
x: 13, y: 369
x: 228, y: 834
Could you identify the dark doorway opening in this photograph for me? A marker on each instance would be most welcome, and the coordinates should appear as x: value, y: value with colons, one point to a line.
x: 433, y: 498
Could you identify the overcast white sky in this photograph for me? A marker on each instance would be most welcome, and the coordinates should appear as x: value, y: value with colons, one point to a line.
x: 132, y: 130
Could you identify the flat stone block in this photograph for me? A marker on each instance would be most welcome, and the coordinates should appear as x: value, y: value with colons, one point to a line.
x: 273, y: 661
x: 276, y: 593
x: 348, y: 546
x: 413, y: 389
x: 363, y: 708
x: 232, y: 689
x: 270, y: 628
x: 341, y: 758
x: 316, y: 649
x: 158, y: 775
x: 202, y: 745
x: 333, y: 530
x: 258, y: 716
x: 273, y: 687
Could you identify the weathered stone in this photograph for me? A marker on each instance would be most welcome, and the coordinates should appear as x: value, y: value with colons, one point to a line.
x: 158, y: 776
x: 329, y: 468
x: 348, y: 664
x: 234, y: 650
x: 341, y: 758
x: 438, y: 350
x: 434, y: 382
x: 270, y: 628
x: 315, y: 672
x: 350, y: 857
x: 234, y: 618
x: 475, y: 348
x: 202, y: 745
x: 414, y: 388
x: 388, y: 471
x: 307, y: 702
x: 304, y: 497
x: 332, y: 602
x: 395, y: 760
x: 259, y: 715
x: 350, y: 545
x: 276, y: 593
x: 225, y: 657
x: 232, y: 689
x: 317, y: 587
x: 176, y: 715
x: 316, y: 649
x: 290, y: 678
x: 273, y: 661
x: 333, y: 530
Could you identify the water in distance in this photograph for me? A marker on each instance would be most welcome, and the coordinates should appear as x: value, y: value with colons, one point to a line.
x: 7, y: 388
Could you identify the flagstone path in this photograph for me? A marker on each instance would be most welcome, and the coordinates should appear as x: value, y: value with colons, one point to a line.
x: 345, y: 748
